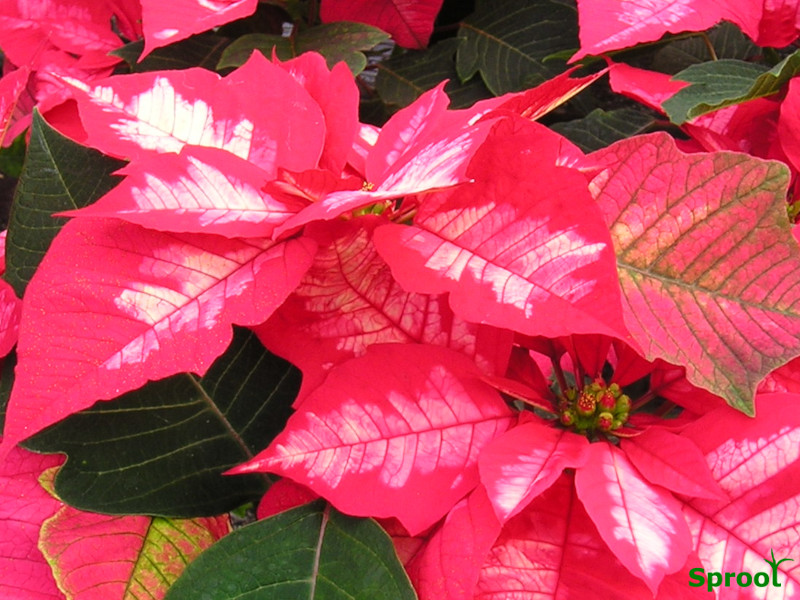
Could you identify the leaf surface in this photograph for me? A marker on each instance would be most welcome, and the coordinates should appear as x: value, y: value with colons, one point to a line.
x: 311, y: 552
x: 199, y: 190
x: 721, y: 83
x: 130, y: 115
x: 156, y: 305
x: 450, y: 563
x: 757, y: 464
x: 95, y: 557
x: 348, y: 301
x: 706, y: 270
x: 409, y: 22
x: 335, y: 41
x: 642, y: 524
x: 610, y: 25
x: 166, y: 22
x: 58, y: 175
x: 404, y: 444
x: 522, y: 463
x: 551, y: 550
x: 508, y: 42
x: 601, y: 128
x: 203, y: 50
x: 673, y: 462
x: 161, y: 450
x: 521, y: 248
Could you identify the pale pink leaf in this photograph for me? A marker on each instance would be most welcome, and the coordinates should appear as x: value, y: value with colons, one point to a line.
x: 394, y: 433
x: 757, y: 464
x: 24, y: 506
x: 409, y: 22
x: 522, y: 463
x: 348, y: 301
x: 200, y: 190
x: 640, y: 522
x: 673, y: 462
x: 164, y: 23
x: 523, y: 247
x: 706, y: 260
x: 97, y: 557
x: 153, y: 305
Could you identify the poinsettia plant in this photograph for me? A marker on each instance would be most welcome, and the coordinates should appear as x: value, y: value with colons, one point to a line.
x: 394, y: 299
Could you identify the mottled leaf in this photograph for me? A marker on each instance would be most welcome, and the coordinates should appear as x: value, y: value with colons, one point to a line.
x: 24, y: 506
x: 311, y: 552
x: 95, y: 557
x: 705, y: 259
x: 403, y: 444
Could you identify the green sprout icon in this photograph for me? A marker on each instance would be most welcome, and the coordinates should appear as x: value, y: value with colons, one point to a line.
x: 774, y: 564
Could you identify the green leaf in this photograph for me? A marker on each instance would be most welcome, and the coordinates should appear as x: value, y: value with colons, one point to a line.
x: 161, y: 450
x: 58, y: 175
x: 722, y: 83
x: 12, y: 157
x: 508, y: 42
x: 727, y: 40
x: 203, y: 50
x: 403, y: 78
x: 342, y: 41
x: 601, y: 128
x: 311, y: 552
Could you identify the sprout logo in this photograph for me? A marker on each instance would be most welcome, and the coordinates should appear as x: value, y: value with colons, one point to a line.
x: 712, y: 579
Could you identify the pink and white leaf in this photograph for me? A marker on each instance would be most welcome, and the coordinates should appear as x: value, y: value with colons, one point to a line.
x: 157, y: 304
x: 519, y: 465
x: 394, y: 433
x: 521, y: 248
x: 200, y: 190
x: 641, y: 523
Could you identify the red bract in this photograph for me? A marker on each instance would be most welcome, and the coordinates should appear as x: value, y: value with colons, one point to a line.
x: 409, y: 22
x: 611, y: 25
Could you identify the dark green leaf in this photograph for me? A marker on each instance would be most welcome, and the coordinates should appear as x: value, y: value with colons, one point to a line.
x: 161, y: 450
x: 12, y: 157
x: 58, y: 175
x: 721, y: 83
x: 727, y: 40
x: 508, y: 42
x: 402, y: 79
x: 337, y: 42
x: 203, y: 50
x: 312, y: 552
x: 601, y: 128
